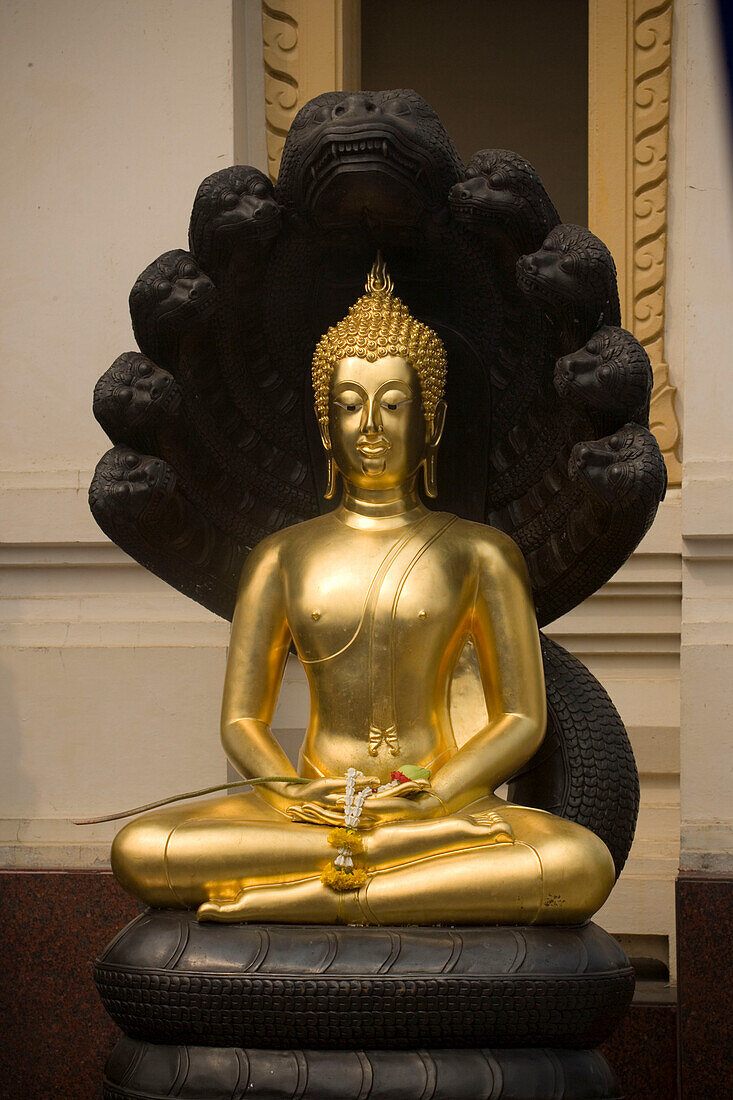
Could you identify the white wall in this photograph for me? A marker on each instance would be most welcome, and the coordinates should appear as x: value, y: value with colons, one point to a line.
x: 112, y: 115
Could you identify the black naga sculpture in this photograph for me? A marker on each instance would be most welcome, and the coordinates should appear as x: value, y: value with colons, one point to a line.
x: 216, y: 442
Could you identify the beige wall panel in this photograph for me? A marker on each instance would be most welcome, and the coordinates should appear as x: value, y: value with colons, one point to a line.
x: 94, y: 729
x: 91, y: 730
x: 707, y: 747
x: 704, y: 227
x: 110, y: 682
x: 109, y: 124
x: 635, y: 905
x: 705, y: 254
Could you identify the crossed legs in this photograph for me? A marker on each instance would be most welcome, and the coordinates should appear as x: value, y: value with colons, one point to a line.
x: 237, y: 859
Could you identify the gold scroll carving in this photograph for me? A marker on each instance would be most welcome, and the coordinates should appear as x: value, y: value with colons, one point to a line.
x: 280, y: 35
x: 652, y: 70
x: 309, y: 47
x: 630, y: 61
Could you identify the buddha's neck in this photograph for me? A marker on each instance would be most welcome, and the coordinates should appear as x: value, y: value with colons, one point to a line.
x: 380, y: 508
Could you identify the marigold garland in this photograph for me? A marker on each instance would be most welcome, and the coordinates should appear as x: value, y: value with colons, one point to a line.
x: 346, y: 838
x: 342, y: 873
x: 339, y: 878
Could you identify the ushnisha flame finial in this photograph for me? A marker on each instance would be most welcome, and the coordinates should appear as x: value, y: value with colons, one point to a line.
x: 378, y: 281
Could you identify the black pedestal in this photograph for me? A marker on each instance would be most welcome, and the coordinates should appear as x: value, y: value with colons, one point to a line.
x: 314, y: 1012
x: 138, y: 1069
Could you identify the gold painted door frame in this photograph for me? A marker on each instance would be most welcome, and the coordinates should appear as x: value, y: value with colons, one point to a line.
x: 629, y: 80
x: 310, y: 47
x: 314, y: 46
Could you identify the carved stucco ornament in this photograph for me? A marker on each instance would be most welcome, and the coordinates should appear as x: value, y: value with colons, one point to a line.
x: 630, y: 67
x: 652, y: 58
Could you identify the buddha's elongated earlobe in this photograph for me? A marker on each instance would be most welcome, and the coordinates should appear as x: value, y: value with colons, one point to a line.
x: 430, y: 475
x: 332, y: 477
x: 430, y: 462
x: 332, y: 470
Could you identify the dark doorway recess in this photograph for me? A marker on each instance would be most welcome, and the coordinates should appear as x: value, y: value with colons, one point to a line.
x: 500, y: 75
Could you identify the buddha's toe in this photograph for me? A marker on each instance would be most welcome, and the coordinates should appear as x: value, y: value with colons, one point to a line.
x: 494, y: 827
x: 223, y: 910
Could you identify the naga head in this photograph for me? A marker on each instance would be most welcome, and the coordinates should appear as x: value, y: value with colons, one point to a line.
x: 355, y: 160
x: 133, y: 396
x: 621, y: 469
x: 573, y: 276
x: 503, y: 197
x: 378, y: 381
x: 611, y: 373
x: 233, y: 206
x: 129, y: 484
x: 171, y: 295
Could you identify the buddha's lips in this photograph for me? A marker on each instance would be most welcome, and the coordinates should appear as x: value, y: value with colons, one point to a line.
x: 375, y: 449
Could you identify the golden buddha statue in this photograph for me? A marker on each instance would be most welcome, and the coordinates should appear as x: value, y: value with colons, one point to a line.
x: 380, y: 598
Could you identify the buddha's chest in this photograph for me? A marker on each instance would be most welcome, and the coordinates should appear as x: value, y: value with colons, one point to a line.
x: 378, y: 594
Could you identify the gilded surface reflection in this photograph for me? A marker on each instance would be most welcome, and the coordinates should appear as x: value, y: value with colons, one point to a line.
x: 380, y: 597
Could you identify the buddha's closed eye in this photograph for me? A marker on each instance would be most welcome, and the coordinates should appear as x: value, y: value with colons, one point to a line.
x: 391, y: 403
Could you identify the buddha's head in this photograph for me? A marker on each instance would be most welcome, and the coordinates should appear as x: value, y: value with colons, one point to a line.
x: 379, y: 379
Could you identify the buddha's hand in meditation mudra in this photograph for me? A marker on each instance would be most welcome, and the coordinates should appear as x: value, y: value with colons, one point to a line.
x: 379, y: 805
x: 380, y: 597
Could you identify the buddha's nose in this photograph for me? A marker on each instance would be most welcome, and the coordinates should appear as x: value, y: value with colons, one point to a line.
x: 355, y: 105
x: 372, y: 422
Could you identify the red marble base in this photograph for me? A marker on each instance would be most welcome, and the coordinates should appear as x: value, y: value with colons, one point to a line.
x: 643, y: 1052
x: 705, y: 983
x: 56, y: 1036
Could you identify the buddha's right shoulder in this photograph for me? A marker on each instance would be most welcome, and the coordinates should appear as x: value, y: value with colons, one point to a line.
x: 484, y: 538
x: 281, y: 547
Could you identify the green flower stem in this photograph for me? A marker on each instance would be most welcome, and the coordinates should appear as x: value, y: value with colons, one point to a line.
x: 192, y: 794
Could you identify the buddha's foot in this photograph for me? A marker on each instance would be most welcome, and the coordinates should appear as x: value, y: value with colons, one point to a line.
x: 305, y: 901
x: 223, y: 910
x: 499, y: 831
